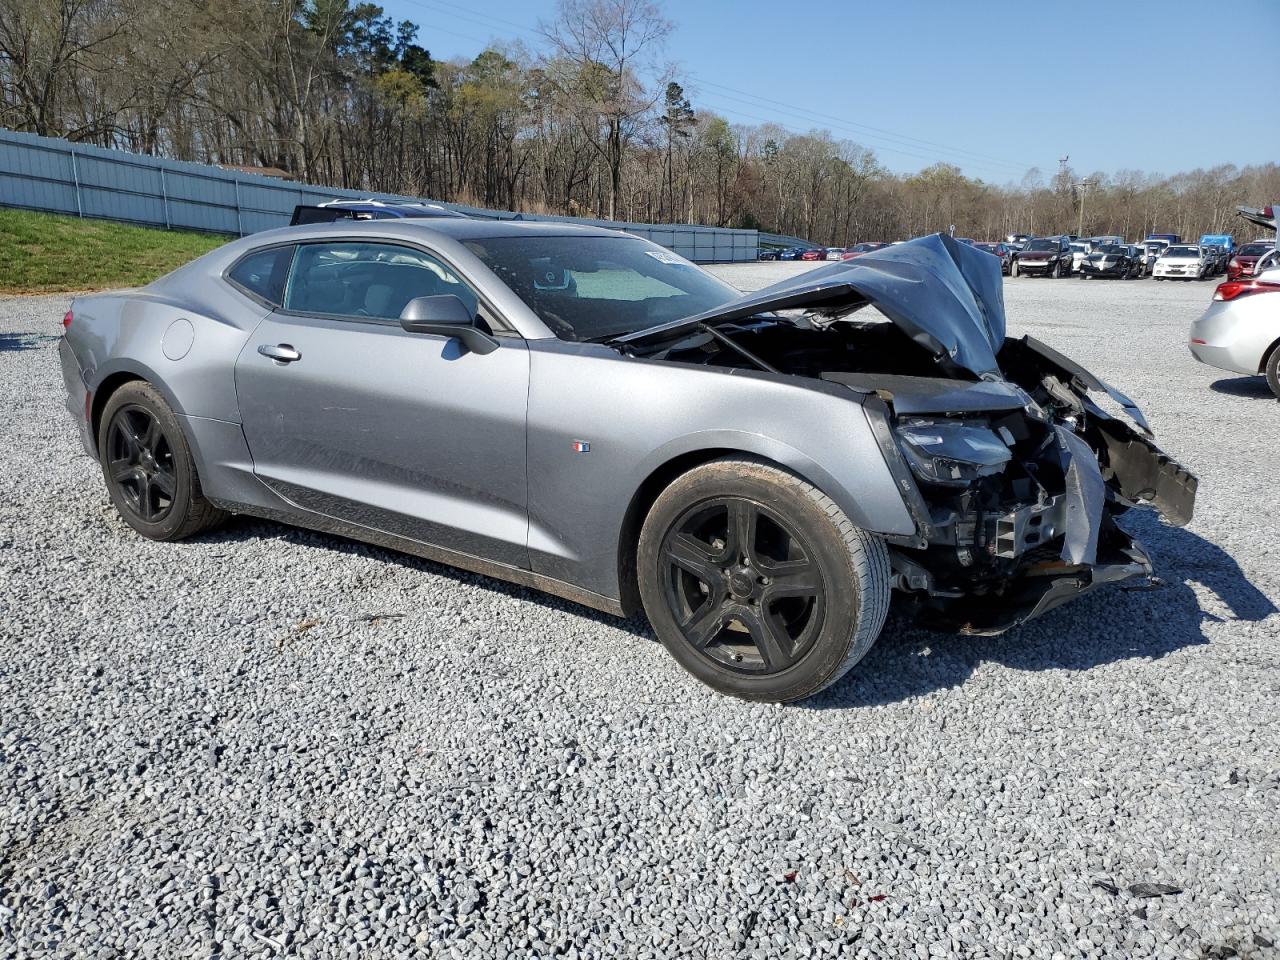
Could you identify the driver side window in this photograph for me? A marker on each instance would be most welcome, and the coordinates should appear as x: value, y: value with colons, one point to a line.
x: 367, y: 280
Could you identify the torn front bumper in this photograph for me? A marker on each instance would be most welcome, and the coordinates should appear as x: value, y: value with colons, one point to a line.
x: 1043, y: 586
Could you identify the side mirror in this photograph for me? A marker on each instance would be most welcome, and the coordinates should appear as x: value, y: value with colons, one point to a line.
x: 446, y: 316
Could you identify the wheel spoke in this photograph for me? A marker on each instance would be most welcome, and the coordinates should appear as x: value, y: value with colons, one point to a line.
x: 771, y: 641
x: 122, y: 470
x: 705, y: 623
x: 129, y: 439
x: 792, y: 578
x: 146, y: 508
x: 742, y: 529
x: 692, y: 555
x: 164, y: 483
x: 150, y: 435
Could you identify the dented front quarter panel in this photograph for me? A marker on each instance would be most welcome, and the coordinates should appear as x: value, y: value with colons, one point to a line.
x: 1127, y: 452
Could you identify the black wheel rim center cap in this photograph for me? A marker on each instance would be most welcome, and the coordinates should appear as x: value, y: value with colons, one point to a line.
x: 741, y: 584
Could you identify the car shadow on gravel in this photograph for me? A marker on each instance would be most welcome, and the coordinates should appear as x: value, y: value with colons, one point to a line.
x: 1254, y: 388
x: 1097, y: 629
x: 245, y: 528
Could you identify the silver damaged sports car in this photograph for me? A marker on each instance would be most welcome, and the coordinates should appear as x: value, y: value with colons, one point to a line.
x: 583, y: 412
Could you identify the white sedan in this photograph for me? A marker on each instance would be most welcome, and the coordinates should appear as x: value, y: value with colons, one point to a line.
x: 1182, y: 262
x: 1240, y: 331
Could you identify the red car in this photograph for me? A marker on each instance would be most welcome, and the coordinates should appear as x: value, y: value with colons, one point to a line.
x: 1246, y: 258
x: 858, y: 249
x: 1001, y: 250
x: 814, y: 255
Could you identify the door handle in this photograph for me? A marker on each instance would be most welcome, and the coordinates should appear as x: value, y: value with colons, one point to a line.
x: 280, y: 352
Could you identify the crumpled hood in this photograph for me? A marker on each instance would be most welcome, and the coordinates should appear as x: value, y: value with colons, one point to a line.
x: 947, y: 296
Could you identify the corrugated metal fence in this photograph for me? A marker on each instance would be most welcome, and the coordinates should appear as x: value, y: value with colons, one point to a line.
x: 41, y: 173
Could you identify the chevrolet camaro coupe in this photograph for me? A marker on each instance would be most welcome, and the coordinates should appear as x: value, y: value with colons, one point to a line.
x: 585, y: 413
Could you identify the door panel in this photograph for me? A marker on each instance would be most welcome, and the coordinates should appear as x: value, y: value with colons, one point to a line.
x: 407, y: 433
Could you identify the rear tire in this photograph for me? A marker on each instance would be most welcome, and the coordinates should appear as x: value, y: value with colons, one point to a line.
x: 148, y: 468
x: 757, y: 583
x: 1272, y: 371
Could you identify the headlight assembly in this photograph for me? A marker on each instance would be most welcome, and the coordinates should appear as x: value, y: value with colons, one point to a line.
x: 951, y: 452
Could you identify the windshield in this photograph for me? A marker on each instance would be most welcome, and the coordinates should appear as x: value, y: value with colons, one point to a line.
x: 1255, y: 249
x: 1155, y: 246
x: 1043, y: 245
x: 1112, y: 248
x: 594, y: 288
x: 1079, y: 247
x: 1182, y: 252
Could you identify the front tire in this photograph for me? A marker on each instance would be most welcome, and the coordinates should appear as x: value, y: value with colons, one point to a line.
x: 1013, y: 270
x: 1057, y: 270
x: 148, y: 468
x: 757, y: 583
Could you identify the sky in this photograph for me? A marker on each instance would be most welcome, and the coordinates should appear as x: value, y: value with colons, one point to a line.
x: 993, y: 88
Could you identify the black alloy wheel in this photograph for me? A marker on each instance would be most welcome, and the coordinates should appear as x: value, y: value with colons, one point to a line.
x: 140, y: 463
x: 148, y: 466
x: 758, y: 583
x: 743, y: 587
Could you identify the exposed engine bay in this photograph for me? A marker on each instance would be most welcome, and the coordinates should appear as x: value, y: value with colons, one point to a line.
x: 1014, y: 460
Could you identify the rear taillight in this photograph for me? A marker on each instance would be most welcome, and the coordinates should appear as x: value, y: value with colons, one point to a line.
x: 1234, y: 289
x: 66, y: 321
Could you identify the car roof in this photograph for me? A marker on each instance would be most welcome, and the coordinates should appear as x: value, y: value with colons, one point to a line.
x: 460, y: 229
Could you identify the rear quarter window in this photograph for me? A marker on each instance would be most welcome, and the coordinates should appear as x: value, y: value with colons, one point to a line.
x: 263, y: 274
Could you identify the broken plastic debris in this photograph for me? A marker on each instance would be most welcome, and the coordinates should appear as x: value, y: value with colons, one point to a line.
x: 1154, y: 890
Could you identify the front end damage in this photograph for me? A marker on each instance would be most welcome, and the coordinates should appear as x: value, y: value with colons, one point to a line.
x: 1017, y: 512
x: 1014, y: 461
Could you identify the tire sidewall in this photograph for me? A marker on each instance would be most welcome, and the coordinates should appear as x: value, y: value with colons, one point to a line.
x: 146, y: 397
x: 1272, y: 372
x: 828, y: 652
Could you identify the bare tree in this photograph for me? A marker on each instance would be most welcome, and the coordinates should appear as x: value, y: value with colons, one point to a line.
x: 600, y: 51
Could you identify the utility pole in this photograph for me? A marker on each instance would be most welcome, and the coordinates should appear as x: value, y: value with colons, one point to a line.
x: 1083, y: 186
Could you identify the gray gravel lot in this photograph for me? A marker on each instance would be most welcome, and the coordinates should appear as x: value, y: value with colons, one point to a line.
x: 269, y: 741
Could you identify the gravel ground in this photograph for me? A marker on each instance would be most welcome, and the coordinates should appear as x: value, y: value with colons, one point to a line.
x: 268, y: 741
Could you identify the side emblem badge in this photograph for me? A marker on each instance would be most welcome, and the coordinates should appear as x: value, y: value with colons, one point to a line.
x: 581, y: 446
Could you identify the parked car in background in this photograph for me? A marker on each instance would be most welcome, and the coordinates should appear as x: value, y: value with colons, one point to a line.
x: 1182, y: 262
x: 790, y: 253
x: 1001, y: 250
x: 1169, y: 238
x: 371, y: 209
x: 1104, y: 241
x: 834, y: 253
x: 1079, y: 250
x: 1043, y: 256
x: 1153, y: 249
x: 817, y: 253
x: 1242, y: 264
x: 1139, y: 254
x: 1017, y: 240
x: 1111, y: 260
x: 1223, y: 241
x: 1240, y: 331
x: 1217, y: 257
x: 858, y: 249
